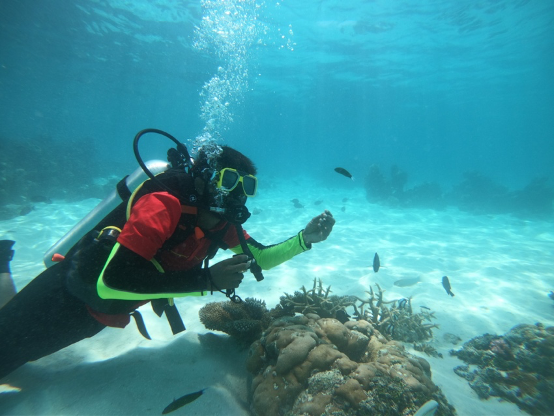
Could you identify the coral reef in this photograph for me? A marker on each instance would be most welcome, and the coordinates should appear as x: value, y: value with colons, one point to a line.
x: 380, y: 189
x: 476, y: 193
x: 40, y: 169
x: 308, y: 365
x: 518, y: 366
x: 243, y: 321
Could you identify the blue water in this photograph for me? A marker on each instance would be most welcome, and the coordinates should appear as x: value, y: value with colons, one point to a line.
x: 437, y: 88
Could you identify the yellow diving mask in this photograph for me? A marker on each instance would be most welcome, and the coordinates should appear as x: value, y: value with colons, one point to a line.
x: 229, y: 178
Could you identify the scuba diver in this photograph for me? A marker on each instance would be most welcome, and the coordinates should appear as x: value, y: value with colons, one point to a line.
x: 152, y: 248
x: 7, y: 287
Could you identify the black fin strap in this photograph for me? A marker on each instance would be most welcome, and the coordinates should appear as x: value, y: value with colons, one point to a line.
x: 171, y: 313
x: 174, y: 319
x: 140, y: 324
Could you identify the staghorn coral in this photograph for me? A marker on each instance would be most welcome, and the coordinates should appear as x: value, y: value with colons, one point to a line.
x: 244, y: 321
x: 518, y: 366
x: 318, y: 366
x: 315, y: 300
x: 396, y: 321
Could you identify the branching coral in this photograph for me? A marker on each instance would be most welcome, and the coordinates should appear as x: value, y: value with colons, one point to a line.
x: 316, y: 300
x: 396, y: 321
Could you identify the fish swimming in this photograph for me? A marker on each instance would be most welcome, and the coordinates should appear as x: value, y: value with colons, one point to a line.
x: 446, y: 285
x: 181, y: 401
x: 407, y: 282
x: 344, y: 172
x: 551, y: 295
x: 376, y: 263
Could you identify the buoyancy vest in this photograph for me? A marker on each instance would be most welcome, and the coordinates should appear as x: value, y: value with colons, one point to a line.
x: 89, y: 257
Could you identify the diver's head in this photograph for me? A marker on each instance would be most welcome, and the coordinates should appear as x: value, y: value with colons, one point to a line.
x: 225, y: 182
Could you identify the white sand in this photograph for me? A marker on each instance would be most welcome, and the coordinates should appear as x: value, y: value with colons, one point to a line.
x: 500, y: 267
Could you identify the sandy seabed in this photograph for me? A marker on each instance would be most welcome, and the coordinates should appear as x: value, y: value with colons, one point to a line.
x: 500, y: 268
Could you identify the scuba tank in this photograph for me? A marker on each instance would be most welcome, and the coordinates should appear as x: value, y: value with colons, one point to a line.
x: 127, y: 184
x: 178, y: 158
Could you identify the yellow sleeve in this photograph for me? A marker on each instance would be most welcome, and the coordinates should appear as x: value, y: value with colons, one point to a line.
x: 270, y: 256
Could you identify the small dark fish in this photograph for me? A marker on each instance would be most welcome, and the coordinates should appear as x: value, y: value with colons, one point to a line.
x: 376, y: 263
x: 40, y: 198
x: 342, y: 316
x: 343, y: 172
x: 446, y: 285
x: 181, y: 401
x: 297, y: 203
x: 318, y: 202
x: 424, y: 307
x: 407, y: 282
x: 344, y: 199
x: 551, y: 295
x: 343, y: 209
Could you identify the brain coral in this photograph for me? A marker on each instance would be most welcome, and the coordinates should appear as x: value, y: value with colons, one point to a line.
x: 306, y: 365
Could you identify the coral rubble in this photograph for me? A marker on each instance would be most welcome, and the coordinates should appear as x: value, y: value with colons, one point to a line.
x: 517, y: 366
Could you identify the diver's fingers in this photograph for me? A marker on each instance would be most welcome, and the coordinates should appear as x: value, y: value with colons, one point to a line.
x: 239, y: 268
x: 237, y: 259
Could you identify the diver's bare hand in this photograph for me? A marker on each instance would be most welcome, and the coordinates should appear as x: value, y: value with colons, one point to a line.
x: 319, y: 228
x: 228, y: 274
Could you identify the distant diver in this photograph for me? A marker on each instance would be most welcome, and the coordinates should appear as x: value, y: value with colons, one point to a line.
x: 446, y: 285
x: 7, y: 286
x: 376, y: 263
x: 344, y: 172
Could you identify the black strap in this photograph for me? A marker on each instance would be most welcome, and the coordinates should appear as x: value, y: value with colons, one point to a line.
x: 122, y: 189
x: 171, y: 313
x: 254, y: 266
x: 140, y: 324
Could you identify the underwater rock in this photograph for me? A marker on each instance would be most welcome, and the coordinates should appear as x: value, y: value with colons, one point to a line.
x: 319, y: 366
x: 518, y: 366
